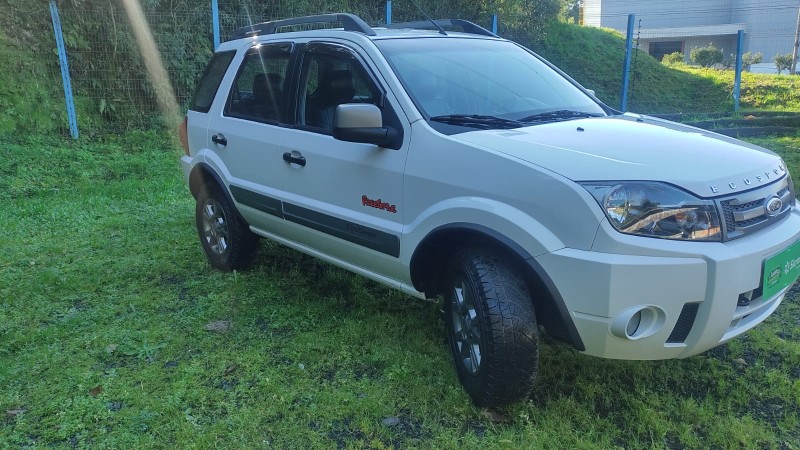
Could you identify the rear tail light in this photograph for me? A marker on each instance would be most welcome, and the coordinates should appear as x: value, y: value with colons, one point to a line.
x: 184, y: 136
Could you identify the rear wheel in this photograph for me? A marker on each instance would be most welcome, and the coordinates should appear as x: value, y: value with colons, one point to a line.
x: 491, y: 327
x: 226, y: 239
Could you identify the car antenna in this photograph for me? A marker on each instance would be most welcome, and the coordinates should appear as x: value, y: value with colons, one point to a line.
x: 441, y: 30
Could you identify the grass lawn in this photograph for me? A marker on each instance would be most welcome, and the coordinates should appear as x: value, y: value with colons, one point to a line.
x: 115, y: 332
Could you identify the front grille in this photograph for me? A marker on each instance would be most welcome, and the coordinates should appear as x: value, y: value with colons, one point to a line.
x: 746, y: 206
x: 747, y: 213
x: 684, y: 324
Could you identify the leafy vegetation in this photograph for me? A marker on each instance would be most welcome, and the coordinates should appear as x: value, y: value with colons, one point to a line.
x: 28, y: 96
x: 783, y: 62
x: 673, y: 58
x: 707, y: 56
x: 750, y: 58
x: 116, y: 333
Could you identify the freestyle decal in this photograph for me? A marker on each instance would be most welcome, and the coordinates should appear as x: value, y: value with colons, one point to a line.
x: 378, y: 204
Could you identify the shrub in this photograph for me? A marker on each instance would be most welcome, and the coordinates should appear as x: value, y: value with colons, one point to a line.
x: 706, y: 56
x: 674, y: 58
x: 750, y: 58
x: 783, y: 62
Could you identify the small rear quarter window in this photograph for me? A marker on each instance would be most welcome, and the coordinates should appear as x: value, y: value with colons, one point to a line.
x: 209, y: 82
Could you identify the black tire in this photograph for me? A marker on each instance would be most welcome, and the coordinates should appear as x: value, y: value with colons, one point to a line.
x: 226, y: 238
x: 491, y: 327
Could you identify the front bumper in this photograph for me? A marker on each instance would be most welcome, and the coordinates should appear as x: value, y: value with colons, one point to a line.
x: 694, y: 293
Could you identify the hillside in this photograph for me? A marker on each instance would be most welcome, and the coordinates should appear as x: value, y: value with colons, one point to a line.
x: 594, y: 58
x: 31, y: 97
x: 759, y: 91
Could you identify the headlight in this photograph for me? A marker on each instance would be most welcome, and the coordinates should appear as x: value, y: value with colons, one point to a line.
x: 657, y: 210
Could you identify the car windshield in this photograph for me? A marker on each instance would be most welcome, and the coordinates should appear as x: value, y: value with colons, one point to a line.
x: 484, y: 83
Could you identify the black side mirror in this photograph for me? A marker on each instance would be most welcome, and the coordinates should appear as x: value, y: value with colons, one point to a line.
x: 363, y: 123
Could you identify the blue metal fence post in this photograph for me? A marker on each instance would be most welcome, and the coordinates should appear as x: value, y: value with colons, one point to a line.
x: 737, y: 84
x: 494, y: 23
x: 215, y: 21
x: 626, y: 71
x: 388, y: 12
x: 62, y: 61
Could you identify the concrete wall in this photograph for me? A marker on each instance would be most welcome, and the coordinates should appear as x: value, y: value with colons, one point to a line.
x: 770, y: 24
x: 592, y: 13
x: 657, y: 14
x: 768, y: 67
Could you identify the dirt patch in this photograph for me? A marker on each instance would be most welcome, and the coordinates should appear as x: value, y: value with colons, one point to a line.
x: 171, y: 280
x: 369, y: 371
x: 405, y: 428
x: 343, y: 433
x: 266, y: 327
x: 771, y: 410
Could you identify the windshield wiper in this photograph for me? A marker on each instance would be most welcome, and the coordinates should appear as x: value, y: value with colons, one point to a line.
x: 478, y: 121
x: 554, y: 116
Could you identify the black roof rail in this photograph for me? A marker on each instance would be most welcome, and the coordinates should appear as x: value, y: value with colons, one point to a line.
x: 350, y: 22
x: 465, y: 25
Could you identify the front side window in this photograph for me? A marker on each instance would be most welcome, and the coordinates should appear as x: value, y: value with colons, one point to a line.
x: 258, y: 93
x: 454, y: 78
x: 332, y: 76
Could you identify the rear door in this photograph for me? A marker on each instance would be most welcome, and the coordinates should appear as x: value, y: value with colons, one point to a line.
x: 249, y: 132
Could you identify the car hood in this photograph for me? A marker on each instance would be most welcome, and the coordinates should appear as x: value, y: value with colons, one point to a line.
x: 641, y: 148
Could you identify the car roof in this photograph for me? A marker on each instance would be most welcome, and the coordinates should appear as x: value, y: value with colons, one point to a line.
x: 354, y: 26
x: 333, y: 33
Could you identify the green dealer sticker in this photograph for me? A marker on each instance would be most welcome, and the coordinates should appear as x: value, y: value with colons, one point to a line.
x: 781, y: 270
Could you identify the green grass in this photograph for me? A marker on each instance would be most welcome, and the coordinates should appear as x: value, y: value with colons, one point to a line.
x: 759, y: 91
x: 105, y: 296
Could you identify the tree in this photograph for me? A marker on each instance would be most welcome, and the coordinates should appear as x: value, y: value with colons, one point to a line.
x: 706, y: 56
x: 572, y: 11
x: 783, y: 62
x: 750, y: 58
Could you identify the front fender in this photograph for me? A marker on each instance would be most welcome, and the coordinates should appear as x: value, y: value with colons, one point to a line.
x: 505, y: 220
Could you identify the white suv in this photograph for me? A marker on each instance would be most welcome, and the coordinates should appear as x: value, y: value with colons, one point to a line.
x: 462, y: 164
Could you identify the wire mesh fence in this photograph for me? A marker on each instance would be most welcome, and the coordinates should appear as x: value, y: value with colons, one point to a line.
x: 113, y: 92
x: 703, y: 34
x: 111, y: 86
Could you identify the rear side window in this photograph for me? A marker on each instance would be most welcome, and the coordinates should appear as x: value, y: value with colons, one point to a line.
x: 209, y: 83
x: 258, y: 93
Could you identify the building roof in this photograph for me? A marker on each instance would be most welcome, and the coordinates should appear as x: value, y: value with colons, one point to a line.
x: 682, y: 32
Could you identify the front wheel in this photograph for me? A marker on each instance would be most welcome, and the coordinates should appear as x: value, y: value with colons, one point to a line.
x: 491, y: 327
x: 227, y: 240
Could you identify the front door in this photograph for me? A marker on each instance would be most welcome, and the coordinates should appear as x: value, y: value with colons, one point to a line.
x: 347, y: 197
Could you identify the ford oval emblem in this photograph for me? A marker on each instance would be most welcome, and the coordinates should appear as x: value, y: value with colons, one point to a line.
x: 774, y: 206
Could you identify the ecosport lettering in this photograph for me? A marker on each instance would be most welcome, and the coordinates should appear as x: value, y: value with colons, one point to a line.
x: 749, y: 181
